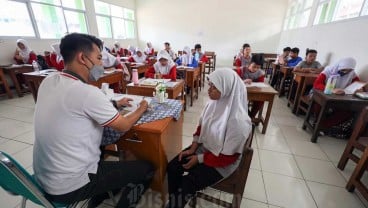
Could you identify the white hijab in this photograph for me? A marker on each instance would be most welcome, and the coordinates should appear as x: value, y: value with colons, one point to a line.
x: 132, y: 50
x: 186, y: 59
x: 117, y: 46
x: 56, y: 48
x: 148, y: 48
x: 25, y: 52
x: 138, y: 59
x: 163, y: 69
x: 108, y: 60
x: 225, y: 124
x: 342, y: 81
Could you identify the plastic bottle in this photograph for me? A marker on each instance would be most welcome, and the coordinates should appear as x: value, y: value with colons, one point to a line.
x: 331, y: 82
x: 36, y: 68
x: 135, y: 76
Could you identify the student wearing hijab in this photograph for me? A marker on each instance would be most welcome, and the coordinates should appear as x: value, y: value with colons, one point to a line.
x: 109, y: 61
x: 139, y: 57
x: 222, y: 131
x: 345, y: 74
x: 169, y: 50
x: 55, y: 59
x: 164, y: 68
x: 187, y: 59
x: 117, y: 50
x: 131, y: 50
x: 149, y: 51
x: 309, y: 64
x: 23, y: 53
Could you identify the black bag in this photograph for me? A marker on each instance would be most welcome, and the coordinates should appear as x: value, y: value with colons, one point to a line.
x: 42, y: 62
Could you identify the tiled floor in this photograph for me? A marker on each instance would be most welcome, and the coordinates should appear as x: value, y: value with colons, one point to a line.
x: 287, y: 169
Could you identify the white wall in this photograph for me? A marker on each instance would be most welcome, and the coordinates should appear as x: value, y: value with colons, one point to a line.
x: 7, y: 46
x: 220, y: 26
x: 333, y: 41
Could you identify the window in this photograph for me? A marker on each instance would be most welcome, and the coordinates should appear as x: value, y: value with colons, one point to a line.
x: 10, y: 24
x: 348, y: 9
x: 114, y: 21
x: 298, y: 14
x: 365, y: 8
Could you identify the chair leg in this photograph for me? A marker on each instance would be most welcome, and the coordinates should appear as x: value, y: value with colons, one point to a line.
x: 193, y: 202
x: 236, y: 201
x: 112, y: 198
x: 24, y: 201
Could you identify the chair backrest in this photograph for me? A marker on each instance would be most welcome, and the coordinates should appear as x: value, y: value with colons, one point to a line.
x: 16, y: 180
x: 209, y: 53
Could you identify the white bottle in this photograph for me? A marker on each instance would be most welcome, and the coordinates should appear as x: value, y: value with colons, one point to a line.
x: 36, y: 68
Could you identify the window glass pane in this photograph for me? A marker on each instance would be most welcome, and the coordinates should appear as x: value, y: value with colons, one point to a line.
x: 292, y: 22
x: 74, y: 4
x: 308, y: 4
x: 102, y: 8
x: 129, y: 28
x: 128, y: 14
x: 325, y: 12
x: 348, y: 9
x: 286, y: 24
x: 117, y: 11
x: 15, y: 25
x: 118, y: 28
x: 50, y: 20
x: 54, y: 2
x: 365, y: 8
x: 75, y: 21
x: 104, y: 27
x: 303, y: 18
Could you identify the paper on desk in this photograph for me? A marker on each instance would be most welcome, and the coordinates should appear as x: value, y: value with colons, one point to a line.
x: 153, y: 82
x: 256, y: 84
x: 135, y: 103
x: 184, y: 67
x: 354, y: 87
x: 171, y: 84
x: 109, y: 71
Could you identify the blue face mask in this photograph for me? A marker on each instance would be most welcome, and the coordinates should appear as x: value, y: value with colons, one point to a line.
x: 95, y: 72
x: 342, y: 73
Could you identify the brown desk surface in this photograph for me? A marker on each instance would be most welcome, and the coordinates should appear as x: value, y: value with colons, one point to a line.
x: 261, y: 90
x: 302, y: 74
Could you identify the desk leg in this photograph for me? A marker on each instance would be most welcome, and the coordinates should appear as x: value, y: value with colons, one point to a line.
x: 289, y: 95
x: 316, y: 126
x: 297, y: 95
x: 282, y: 85
x: 16, y: 83
x: 268, y: 115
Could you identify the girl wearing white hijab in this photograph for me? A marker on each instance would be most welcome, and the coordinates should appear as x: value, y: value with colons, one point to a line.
x: 164, y: 68
x: 187, y: 59
x: 149, y: 51
x: 139, y: 57
x: 108, y: 60
x: 23, y: 53
x: 55, y: 59
x: 117, y: 50
x: 131, y: 50
x: 217, y: 144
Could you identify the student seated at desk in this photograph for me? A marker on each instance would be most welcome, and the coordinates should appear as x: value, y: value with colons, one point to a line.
x: 310, y: 65
x: 117, y: 50
x: 337, y: 120
x: 131, y: 50
x: 294, y: 58
x: 55, y: 59
x: 24, y: 54
x: 187, y: 59
x: 66, y: 154
x: 218, y: 142
x: 109, y: 61
x: 254, y: 74
x: 149, y: 51
x: 139, y: 57
x: 244, y: 60
x: 283, y: 58
x: 170, y: 51
x: 198, y: 55
x: 164, y: 68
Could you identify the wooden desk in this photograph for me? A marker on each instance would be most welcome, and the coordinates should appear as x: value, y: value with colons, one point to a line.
x: 192, y: 77
x: 201, y: 66
x: 5, y: 84
x: 146, y: 90
x: 345, y: 102
x: 18, y: 70
x: 264, y: 94
x: 302, y: 80
x: 115, y: 79
x: 285, y: 80
x: 140, y: 68
x: 157, y: 142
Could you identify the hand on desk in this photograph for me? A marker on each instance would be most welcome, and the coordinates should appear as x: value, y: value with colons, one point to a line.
x: 248, y: 81
x: 338, y: 91
x: 124, y: 102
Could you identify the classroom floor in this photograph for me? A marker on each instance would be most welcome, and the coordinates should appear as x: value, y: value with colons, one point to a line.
x: 287, y: 169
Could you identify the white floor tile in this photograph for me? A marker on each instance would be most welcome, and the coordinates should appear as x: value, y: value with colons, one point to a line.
x: 279, y: 163
x: 328, y: 196
x: 28, y: 137
x: 333, y: 149
x: 320, y: 171
x: 11, y: 128
x: 287, y: 192
x: 187, y: 141
x: 11, y: 147
x: 25, y: 157
x: 254, y: 188
x: 307, y: 149
x: 273, y: 143
x: 17, y: 113
x: 255, y: 160
x: 295, y: 133
x: 246, y: 203
x: 8, y: 200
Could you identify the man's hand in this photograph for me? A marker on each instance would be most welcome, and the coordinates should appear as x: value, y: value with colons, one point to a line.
x: 143, y: 105
x: 124, y: 102
x: 185, y: 153
x: 192, y: 161
x: 338, y: 91
x: 248, y: 81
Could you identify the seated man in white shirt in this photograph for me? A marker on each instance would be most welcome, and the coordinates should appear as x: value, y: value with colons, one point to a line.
x: 69, y: 119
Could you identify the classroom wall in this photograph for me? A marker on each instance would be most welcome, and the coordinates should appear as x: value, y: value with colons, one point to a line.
x: 7, y: 46
x: 333, y: 41
x: 220, y: 26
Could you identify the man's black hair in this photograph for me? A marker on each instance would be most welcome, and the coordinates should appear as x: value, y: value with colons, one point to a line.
x: 295, y: 50
x: 287, y: 49
x: 74, y: 43
x: 167, y: 43
x: 197, y: 46
x: 257, y: 59
x: 246, y: 45
x: 310, y: 51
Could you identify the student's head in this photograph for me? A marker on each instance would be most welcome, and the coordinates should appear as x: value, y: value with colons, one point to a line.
x: 256, y: 63
x: 117, y: 44
x: 345, y: 66
x: 246, y: 49
x: 149, y: 44
x: 167, y: 45
x: 197, y: 47
x: 311, y: 55
x: 163, y: 58
x: 294, y: 52
x: 186, y: 50
x: 286, y: 51
x: 22, y: 44
x: 139, y: 53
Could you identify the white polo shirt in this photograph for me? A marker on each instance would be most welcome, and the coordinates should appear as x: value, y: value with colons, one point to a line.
x: 69, y: 119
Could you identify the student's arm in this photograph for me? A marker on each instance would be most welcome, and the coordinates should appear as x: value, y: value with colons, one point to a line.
x: 204, y: 59
x: 48, y: 59
x: 131, y: 59
x: 150, y: 73
x: 298, y: 67
x: 320, y: 82
x: 171, y: 75
x: 194, y: 63
x: 178, y: 61
x: 212, y: 160
x: 32, y: 57
x: 237, y: 62
x: 260, y: 79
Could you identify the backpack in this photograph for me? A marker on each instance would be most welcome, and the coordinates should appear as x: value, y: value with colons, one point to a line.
x: 42, y: 62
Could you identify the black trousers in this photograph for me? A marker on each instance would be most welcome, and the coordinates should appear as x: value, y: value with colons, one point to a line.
x: 183, y: 187
x: 133, y: 177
